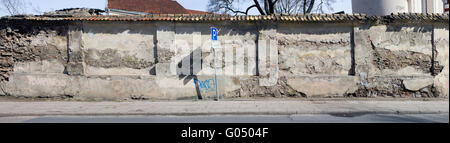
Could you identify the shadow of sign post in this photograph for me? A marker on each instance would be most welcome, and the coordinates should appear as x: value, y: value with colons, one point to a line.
x: 204, y: 85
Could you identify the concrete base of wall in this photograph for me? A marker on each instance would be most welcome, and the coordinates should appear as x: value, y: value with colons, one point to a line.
x: 119, y: 88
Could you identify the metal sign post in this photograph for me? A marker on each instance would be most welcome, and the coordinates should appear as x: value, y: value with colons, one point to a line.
x: 214, y: 39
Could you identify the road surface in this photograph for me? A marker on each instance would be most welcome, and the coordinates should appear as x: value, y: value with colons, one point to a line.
x: 227, y: 112
x: 307, y: 118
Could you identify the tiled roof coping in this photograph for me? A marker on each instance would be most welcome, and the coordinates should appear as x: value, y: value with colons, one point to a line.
x: 405, y: 17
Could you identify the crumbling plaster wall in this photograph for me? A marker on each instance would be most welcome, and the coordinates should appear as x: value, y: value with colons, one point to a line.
x: 144, y: 60
x: 314, y: 56
x: 118, y: 48
x: 31, y: 49
x: 400, y: 60
x: 441, y: 59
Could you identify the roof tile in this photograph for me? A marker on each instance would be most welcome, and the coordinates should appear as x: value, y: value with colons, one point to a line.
x: 152, y: 6
x: 413, y: 17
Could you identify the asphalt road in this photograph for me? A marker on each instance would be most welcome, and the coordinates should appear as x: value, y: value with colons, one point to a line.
x: 304, y: 118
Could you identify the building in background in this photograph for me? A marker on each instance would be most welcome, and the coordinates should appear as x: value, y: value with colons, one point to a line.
x: 386, y: 7
x: 446, y: 6
x: 142, y: 7
x: 75, y: 12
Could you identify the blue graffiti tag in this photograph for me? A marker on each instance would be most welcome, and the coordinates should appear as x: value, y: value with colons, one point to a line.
x: 205, y: 85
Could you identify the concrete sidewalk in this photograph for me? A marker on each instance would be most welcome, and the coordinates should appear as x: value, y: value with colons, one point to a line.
x: 340, y: 108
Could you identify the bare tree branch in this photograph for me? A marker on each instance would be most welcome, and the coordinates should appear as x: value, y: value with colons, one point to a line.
x: 259, y: 7
x: 310, y: 7
x: 304, y: 6
x: 248, y: 9
x: 268, y: 7
x: 14, y: 7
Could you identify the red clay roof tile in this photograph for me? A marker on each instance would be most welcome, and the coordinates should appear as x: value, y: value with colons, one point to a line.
x: 308, y: 18
x: 152, y: 6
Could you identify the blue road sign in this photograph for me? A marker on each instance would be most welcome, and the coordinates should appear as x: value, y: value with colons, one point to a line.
x: 213, y: 34
x: 214, y: 39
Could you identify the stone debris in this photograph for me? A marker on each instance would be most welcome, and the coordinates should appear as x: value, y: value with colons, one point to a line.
x: 417, y: 84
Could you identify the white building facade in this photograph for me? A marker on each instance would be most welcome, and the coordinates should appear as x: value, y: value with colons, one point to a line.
x: 386, y: 7
x: 446, y: 6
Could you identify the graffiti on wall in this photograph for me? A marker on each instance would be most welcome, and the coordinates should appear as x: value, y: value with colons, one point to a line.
x: 205, y: 86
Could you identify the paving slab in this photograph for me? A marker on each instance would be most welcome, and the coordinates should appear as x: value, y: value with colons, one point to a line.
x: 338, y: 108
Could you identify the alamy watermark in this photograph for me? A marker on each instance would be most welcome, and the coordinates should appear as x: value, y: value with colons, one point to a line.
x: 234, y: 57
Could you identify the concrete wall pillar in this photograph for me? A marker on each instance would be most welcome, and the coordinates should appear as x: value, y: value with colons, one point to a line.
x: 165, y: 39
x: 362, y: 53
x: 441, y: 49
x: 268, y: 57
x: 76, y: 64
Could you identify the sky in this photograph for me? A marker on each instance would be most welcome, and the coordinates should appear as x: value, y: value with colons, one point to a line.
x: 36, y: 6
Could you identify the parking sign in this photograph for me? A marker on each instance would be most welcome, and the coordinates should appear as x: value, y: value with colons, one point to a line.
x: 214, y: 46
x: 213, y: 34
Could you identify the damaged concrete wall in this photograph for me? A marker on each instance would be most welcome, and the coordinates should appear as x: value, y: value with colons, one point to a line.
x: 118, y: 48
x: 314, y: 56
x: 441, y: 59
x: 152, y: 60
x: 30, y: 49
x: 400, y: 61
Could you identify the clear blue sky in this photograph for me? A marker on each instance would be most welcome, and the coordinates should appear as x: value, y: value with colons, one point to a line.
x: 33, y: 6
